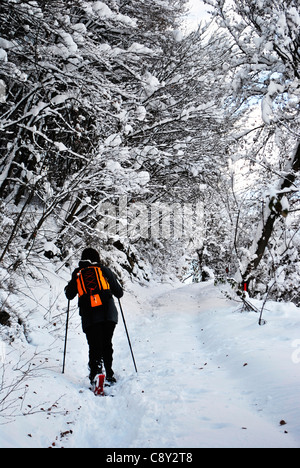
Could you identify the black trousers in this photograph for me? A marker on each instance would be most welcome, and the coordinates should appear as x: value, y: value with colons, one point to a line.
x: 99, y: 337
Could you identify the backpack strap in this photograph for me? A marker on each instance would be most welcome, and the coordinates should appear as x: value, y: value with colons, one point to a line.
x: 80, y: 285
x: 103, y: 284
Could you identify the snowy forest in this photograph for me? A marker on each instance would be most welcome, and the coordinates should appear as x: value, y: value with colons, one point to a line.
x: 102, y: 100
x: 174, y: 152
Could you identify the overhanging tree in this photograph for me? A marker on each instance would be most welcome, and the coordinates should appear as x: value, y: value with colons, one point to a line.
x: 263, y: 69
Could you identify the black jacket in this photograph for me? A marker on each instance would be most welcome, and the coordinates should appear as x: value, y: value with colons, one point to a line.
x: 106, y: 312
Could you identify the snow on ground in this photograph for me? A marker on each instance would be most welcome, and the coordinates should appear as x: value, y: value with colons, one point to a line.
x: 208, y: 375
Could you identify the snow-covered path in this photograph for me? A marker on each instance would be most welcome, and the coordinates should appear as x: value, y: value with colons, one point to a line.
x: 197, y: 391
x: 208, y: 377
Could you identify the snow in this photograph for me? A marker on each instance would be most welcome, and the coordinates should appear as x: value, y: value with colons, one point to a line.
x: 140, y: 49
x: 141, y: 113
x: 60, y: 146
x: 2, y: 92
x: 178, y: 35
x: 3, y: 55
x: 294, y: 16
x: 113, y: 140
x: 36, y: 110
x: 80, y: 28
x: 5, y: 44
x: 102, y: 10
x: 266, y: 108
x: 69, y: 42
x: 208, y: 375
x: 113, y: 165
x: 60, y: 99
x: 151, y: 83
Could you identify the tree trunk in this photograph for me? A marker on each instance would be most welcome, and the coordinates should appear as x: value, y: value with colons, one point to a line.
x: 272, y: 212
x: 16, y: 225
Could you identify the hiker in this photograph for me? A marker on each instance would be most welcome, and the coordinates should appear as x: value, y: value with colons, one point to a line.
x: 95, y: 285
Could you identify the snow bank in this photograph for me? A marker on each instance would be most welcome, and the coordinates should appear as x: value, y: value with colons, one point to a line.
x: 208, y: 375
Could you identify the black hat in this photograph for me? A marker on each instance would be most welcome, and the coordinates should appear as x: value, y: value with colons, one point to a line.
x: 90, y: 254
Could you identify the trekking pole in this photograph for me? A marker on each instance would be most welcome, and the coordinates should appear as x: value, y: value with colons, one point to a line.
x: 127, y: 335
x: 66, y: 337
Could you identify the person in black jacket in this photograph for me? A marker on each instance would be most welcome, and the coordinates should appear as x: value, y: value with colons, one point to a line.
x: 98, y: 323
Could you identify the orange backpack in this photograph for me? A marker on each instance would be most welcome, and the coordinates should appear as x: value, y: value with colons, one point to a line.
x: 91, y: 282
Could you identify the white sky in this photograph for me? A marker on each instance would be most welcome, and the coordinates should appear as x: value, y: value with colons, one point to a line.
x: 198, y: 13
